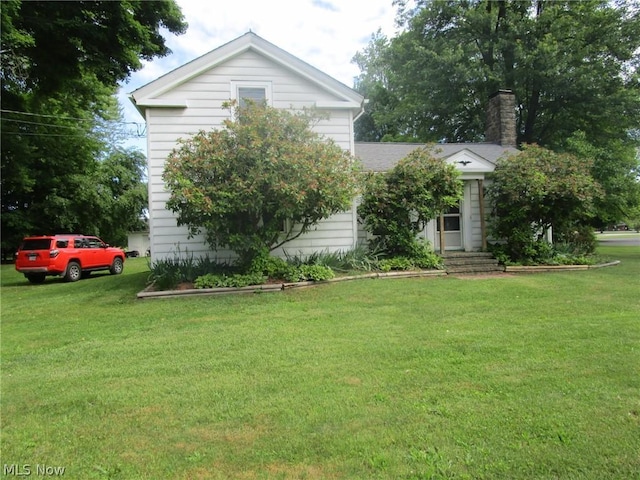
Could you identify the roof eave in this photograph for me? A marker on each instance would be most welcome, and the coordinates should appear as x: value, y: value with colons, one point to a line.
x: 249, y: 41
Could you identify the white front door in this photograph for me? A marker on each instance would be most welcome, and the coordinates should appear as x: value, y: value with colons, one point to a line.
x: 452, y: 230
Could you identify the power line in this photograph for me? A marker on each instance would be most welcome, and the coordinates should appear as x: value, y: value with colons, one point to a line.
x: 74, y: 127
x: 125, y: 135
x: 44, y: 134
x: 140, y: 128
x: 46, y: 116
x: 63, y: 118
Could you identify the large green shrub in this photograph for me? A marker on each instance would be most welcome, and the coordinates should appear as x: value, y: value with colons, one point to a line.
x: 271, y: 267
x: 422, y: 256
x: 259, y: 182
x: 295, y: 270
x: 397, y: 205
x: 537, y: 190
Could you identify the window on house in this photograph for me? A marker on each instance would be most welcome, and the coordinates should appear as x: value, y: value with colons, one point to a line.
x: 451, y: 220
x: 257, y: 92
x: 256, y: 95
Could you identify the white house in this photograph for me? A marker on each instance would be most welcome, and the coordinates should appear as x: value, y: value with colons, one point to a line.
x: 190, y: 98
x: 465, y: 225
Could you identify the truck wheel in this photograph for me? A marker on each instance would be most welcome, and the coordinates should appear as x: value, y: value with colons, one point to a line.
x: 117, y: 266
x: 73, y: 273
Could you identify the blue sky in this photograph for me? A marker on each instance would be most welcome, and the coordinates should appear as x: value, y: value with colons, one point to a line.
x: 323, y: 33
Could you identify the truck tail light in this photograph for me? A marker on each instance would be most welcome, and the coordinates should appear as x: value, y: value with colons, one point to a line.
x: 54, y: 253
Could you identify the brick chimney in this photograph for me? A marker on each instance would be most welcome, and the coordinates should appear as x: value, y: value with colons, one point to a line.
x: 501, y: 119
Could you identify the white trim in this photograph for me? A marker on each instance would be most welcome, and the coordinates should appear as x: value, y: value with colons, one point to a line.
x: 161, y: 102
x: 470, y: 164
x: 337, y: 105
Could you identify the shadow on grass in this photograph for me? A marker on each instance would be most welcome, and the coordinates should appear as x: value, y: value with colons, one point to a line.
x: 130, y: 283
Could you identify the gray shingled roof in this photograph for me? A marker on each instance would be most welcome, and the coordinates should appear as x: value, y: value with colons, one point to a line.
x: 382, y: 156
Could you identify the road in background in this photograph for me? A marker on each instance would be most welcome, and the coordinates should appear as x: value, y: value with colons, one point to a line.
x: 619, y: 239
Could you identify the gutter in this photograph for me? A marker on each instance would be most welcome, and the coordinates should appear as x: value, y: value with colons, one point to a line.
x: 361, y: 112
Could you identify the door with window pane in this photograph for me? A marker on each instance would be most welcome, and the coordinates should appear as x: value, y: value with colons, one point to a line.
x: 452, y: 230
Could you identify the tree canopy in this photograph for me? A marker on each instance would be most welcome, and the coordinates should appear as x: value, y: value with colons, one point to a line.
x: 573, y: 67
x: 121, y: 195
x: 49, y: 45
x: 61, y: 63
x: 263, y: 179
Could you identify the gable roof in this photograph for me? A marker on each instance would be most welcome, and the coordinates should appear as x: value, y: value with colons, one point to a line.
x: 148, y: 95
x: 382, y: 156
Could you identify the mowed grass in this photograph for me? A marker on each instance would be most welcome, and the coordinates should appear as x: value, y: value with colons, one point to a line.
x: 514, y: 377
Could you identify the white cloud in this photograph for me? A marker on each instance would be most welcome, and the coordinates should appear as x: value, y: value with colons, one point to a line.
x: 324, y: 33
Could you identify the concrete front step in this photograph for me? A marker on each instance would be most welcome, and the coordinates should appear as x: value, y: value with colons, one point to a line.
x: 456, y: 254
x: 471, y: 262
x: 474, y: 269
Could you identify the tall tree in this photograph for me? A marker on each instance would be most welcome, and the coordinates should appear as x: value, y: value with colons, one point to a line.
x: 382, y: 120
x: 61, y: 62
x: 616, y: 165
x: 122, y: 195
x: 49, y: 44
x: 572, y: 65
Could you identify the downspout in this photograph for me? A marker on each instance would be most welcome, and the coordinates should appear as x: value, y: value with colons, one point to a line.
x: 354, y: 204
x: 361, y: 112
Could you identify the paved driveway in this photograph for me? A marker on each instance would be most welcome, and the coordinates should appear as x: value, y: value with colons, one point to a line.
x: 617, y: 239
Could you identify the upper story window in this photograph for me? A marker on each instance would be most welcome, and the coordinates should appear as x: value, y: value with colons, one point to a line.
x: 257, y: 92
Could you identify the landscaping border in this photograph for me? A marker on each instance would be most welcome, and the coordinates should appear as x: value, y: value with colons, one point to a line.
x: 555, y: 268
x: 277, y: 287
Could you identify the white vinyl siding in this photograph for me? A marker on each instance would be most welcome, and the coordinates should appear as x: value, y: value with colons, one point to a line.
x: 204, y: 96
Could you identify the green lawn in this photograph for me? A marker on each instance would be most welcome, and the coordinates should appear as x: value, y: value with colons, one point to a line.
x: 515, y: 377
